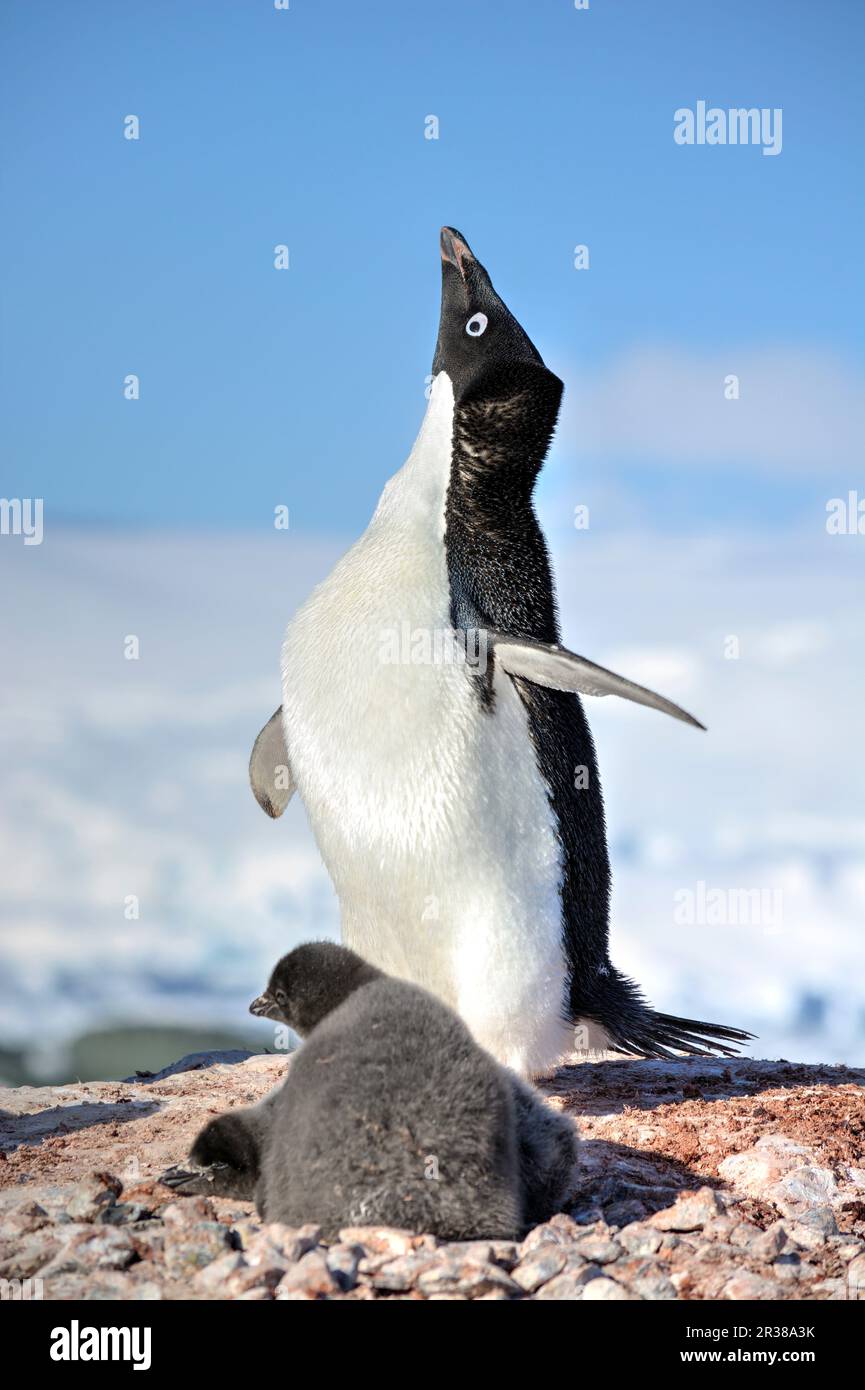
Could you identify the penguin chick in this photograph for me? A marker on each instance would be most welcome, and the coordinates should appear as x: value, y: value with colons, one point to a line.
x: 391, y: 1114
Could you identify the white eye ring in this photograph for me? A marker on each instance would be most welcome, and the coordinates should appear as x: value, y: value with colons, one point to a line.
x: 476, y: 325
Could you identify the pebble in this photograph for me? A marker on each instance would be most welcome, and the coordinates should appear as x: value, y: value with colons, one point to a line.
x: 856, y: 1278
x: 309, y: 1279
x: 654, y: 1286
x: 99, y: 1248
x: 638, y: 1239
x: 787, y: 1268
x: 812, y: 1228
x: 597, y: 1250
x: 539, y: 1266
x: 766, y: 1245
x: 190, y: 1248
x: 745, y: 1285
x: 606, y: 1289
x: 28, y: 1256
x: 92, y: 1196
x: 216, y: 1274
x: 804, y: 1188
x: 690, y: 1212
x: 401, y: 1274
x: 291, y: 1241
x: 25, y: 1219
x: 342, y: 1261
x: 465, y: 1277
x: 381, y: 1240
x: 570, y: 1283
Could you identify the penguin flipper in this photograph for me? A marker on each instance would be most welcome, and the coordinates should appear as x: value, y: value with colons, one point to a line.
x: 270, y: 773
x: 558, y: 669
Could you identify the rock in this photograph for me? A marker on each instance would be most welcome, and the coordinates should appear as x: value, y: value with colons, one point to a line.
x: 720, y: 1227
x: 125, y: 1213
x: 91, y: 1249
x: 755, y: 1170
x: 766, y: 1245
x: 539, y: 1266
x: 787, y: 1268
x: 309, y: 1279
x: 597, y: 1250
x: 812, y: 1229
x: 343, y: 1261
x: 555, y: 1232
x: 216, y: 1275
x: 381, y: 1240
x: 30, y: 1254
x: 91, y: 1198
x: 856, y: 1278
x: 803, y: 1188
x: 834, y: 1289
x: 504, y: 1253
x: 188, y: 1211
x: 190, y: 1248
x: 781, y: 1171
x: 742, y: 1234
x: 819, y: 1219
x: 25, y: 1219
x: 745, y: 1285
x: 401, y: 1274
x: 570, y: 1283
x: 639, y: 1239
x: 654, y: 1286
x: 690, y: 1211
x: 604, y: 1289
x: 284, y: 1243
x: 466, y: 1277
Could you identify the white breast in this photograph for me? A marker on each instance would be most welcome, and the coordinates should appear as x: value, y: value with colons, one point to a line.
x: 430, y: 814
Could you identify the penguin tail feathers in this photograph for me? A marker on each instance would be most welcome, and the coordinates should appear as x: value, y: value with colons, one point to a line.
x: 635, y: 1029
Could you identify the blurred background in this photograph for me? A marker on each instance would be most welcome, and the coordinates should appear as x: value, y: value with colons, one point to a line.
x: 697, y: 526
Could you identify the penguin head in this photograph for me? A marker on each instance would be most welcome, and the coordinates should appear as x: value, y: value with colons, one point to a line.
x: 309, y: 983
x: 484, y: 351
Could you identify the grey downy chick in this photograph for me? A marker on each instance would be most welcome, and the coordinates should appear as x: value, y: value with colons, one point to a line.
x: 391, y: 1114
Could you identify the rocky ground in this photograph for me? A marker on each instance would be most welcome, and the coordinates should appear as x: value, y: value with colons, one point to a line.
x: 698, y: 1180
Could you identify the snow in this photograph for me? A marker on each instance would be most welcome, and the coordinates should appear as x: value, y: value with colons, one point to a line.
x: 126, y: 779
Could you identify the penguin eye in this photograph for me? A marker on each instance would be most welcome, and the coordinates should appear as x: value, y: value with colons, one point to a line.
x: 280, y: 997
x: 476, y: 325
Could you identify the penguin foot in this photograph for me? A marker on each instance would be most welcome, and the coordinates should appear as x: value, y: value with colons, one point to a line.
x: 216, y: 1180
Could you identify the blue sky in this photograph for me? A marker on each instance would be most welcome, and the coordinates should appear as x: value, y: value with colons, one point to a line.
x: 306, y: 127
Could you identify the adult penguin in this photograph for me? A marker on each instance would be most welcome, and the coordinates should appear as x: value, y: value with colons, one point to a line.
x: 432, y: 724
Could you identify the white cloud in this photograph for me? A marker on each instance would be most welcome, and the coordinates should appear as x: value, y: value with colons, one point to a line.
x: 797, y: 410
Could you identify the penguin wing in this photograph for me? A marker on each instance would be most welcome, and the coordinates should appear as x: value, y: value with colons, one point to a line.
x: 559, y: 669
x: 269, y: 769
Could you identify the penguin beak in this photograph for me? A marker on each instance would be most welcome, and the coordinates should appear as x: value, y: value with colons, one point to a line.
x: 456, y: 251
x: 264, y: 1006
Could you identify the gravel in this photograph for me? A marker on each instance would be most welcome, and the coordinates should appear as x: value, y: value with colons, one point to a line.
x: 741, y: 1180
